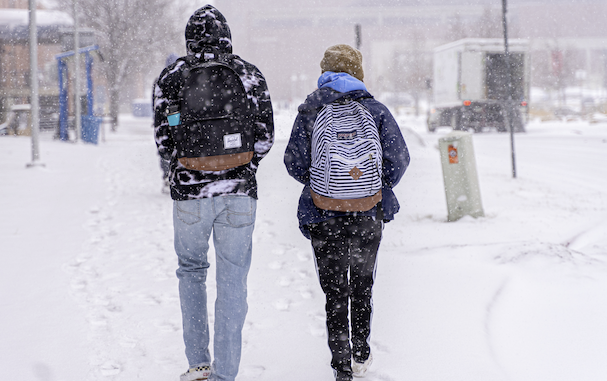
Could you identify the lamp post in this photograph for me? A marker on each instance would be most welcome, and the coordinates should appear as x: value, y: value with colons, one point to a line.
x: 358, y: 35
x: 78, y: 121
x: 34, y: 103
x: 509, y: 113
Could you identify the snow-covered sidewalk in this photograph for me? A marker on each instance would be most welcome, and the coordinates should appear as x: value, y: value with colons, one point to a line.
x: 89, y: 291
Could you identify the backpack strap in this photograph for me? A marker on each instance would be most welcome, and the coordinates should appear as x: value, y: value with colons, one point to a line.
x: 349, y: 98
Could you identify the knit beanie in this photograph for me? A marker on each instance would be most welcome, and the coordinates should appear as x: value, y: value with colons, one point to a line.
x: 343, y: 59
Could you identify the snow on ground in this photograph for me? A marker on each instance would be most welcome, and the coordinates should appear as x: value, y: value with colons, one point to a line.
x: 89, y: 291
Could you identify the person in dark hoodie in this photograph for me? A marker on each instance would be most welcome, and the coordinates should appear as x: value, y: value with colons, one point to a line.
x: 221, y: 202
x: 345, y: 244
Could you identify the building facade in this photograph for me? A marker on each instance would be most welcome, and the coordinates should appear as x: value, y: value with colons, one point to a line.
x: 287, y: 38
x: 55, y: 35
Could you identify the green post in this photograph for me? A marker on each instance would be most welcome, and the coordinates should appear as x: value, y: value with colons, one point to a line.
x: 460, y: 176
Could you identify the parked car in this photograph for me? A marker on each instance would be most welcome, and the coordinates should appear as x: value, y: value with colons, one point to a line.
x: 18, y: 120
x: 566, y: 113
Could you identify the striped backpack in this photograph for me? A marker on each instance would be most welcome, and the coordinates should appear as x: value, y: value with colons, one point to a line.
x: 345, y: 174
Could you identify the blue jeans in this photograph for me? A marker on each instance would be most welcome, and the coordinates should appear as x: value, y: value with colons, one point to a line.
x: 231, y: 218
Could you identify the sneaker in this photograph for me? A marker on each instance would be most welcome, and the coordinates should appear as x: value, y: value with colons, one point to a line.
x: 360, y: 369
x: 342, y: 376
x: 200, y: 373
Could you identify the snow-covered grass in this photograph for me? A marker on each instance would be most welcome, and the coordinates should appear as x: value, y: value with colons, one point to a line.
x: 89, y: 291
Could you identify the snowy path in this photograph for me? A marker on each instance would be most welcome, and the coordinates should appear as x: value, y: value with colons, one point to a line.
x: 89, y: 291
x: 124, y: 278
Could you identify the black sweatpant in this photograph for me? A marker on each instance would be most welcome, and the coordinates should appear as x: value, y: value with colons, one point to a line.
x: 346, y: 251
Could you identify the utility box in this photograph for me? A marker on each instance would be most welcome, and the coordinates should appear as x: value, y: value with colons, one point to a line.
x: 459, y: 175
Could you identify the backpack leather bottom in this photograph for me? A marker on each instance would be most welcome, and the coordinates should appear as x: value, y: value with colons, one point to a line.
x: 217, y: 163
x: 351, y: 205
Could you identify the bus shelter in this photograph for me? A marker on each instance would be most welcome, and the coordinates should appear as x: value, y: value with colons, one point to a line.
x: 90, y: 122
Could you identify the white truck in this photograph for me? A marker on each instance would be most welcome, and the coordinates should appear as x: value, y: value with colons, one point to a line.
x: 470, y: 88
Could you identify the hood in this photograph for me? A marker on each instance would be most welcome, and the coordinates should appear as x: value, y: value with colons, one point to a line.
x: 342, y: 82
x: 208, y: 30
x: 325, y: 95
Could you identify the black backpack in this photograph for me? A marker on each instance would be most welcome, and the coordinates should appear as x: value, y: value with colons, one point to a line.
x: 215, y: 131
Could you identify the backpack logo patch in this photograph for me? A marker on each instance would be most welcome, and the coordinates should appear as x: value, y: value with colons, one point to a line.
x: 355, y: 173
x: 346, y: 135
x: 232, y: 141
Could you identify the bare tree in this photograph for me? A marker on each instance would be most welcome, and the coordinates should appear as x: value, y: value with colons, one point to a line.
x: 417, y: 66
x: 489, y: 24
x: 456, y: 29
x: 410, y: 70
x: 135, y: 36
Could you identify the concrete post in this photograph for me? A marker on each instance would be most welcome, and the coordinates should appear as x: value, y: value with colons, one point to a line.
x: 34, y: 100
x: 460, y: 176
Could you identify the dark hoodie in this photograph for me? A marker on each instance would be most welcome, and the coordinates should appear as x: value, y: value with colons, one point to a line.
x: 208, y: 28
x: 298, y: 159
x: 207, y: 32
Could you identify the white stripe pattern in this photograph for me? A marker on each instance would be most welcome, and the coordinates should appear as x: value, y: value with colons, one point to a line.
x: 346, y: 152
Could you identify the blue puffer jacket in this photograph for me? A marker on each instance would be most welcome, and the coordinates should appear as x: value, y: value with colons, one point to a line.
x: 298, y: 158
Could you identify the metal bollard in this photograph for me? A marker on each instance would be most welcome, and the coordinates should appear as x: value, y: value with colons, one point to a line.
x: 459, y: 176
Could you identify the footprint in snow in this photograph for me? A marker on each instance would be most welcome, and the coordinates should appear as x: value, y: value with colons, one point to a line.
x: 282, y: 304
x: 79, y: 285
x: 306, y: 293
x: 97, y: 320
x: 317, y: 330
x: 285, y: 281
x: 110, y: 369
x: 303, y: 274
x: 113, y: 308
x: 379, y: 377
x: 149, y: 299
x: 380, y: 347
x: 318, y: 326
x: 252, y: 371
x: 279, y: 251
x: 127, y: 342
x: 167, y: 326
x: 72, y: 266
x: 304, y: 256
x: 248, y: 326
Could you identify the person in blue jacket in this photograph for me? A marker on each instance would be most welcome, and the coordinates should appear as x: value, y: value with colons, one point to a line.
x: 345, y: 244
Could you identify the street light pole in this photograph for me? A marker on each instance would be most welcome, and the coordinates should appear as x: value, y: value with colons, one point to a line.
x: 78, y: 121
x: 34, y: 102
x: 508, y: 114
